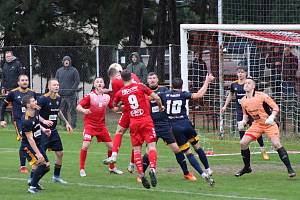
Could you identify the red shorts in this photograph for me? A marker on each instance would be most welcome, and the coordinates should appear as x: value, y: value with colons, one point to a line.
x: 124, y: 120
x: 142, y: 130
x: 102, y: 136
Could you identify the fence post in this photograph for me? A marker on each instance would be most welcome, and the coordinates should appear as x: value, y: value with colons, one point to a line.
x: 30, y: 67
x: 117, y: 55
x: 170, y: 65
x: 97, y: 61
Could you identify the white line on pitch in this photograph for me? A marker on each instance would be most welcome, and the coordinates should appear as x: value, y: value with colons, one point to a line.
x: 157, y: 190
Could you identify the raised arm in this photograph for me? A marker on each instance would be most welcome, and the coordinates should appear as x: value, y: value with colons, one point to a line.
x: 209, y: 78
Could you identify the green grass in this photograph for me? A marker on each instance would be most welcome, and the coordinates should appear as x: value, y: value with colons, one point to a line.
x: 268, y: 181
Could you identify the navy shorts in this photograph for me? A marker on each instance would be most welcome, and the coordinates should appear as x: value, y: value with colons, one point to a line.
x: 184, y: 133
x: 30, y: 154
x: 164, y: 131
x: 52, y: 143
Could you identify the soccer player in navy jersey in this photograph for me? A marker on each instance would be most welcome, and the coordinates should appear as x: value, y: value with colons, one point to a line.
x: 163, y: 128
x: 14, y: 98
x: 175, y: 106
x: 31, y: 143
x: 49, y: 112
x: 237, y: 89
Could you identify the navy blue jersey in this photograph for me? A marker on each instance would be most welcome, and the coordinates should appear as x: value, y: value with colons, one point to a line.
x: 15, y: 97
x: 157, y: 116
x: 238, y: 90
x: 175, y: 103
x: 49, y: 109
x: 32, y: 125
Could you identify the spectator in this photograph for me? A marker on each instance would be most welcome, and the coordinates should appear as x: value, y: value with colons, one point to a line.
x: 68, y: 78
x: 289, y: 71
x: 138, y: 67
x: 197, y: 73
x: 12, y: 69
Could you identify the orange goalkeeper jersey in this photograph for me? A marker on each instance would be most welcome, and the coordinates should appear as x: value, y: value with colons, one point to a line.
x: 259, y: 106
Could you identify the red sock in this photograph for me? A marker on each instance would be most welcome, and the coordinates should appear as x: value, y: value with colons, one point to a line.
x: 117, y: 142
x: 112, y: 165
x: 83, y: 153
x: 132, y: 156
x: 138, y: 162
x: 152, y: 155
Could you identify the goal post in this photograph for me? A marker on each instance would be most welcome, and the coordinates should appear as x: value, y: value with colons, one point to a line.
x: 255, y: 46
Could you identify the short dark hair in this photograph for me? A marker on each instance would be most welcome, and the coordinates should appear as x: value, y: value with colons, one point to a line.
x: 126, y: 75
x: 242, y: 67
x: 112, y: 71
x: 22, y: 75
x: 177, y: 83
x: 152, y: 74
x: 26, y: 99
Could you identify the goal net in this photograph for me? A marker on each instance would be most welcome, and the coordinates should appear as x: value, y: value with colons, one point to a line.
x: 270, y: 52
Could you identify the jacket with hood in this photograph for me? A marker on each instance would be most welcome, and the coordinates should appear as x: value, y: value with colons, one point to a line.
x: 138, y: 68
x: 10, y: 73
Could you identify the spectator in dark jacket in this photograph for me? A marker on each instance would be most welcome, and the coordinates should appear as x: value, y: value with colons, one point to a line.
x: 137, y: 67
x: 11, y: 70
x: 68, y: 78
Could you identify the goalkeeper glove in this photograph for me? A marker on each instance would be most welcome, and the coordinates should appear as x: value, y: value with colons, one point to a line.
x: 241, y: 125
x: 270, y: 120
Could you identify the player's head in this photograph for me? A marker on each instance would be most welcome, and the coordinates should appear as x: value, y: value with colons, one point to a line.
x: 116, y: 66
x: 177, y: 83
x: 29, y: 102
x: 23, y: 81
x: 99, y: 83
x: 242, y: 72
x: 66, y: 61
x: 53, y: 85
x: 152, y: 80
x: 249, y: 85
x: 112, y: 72
x: 126, y: 75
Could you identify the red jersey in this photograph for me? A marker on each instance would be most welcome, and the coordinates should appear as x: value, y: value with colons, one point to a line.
x: 135, y: 100
x: 97, y: 104
x: 117, y: 82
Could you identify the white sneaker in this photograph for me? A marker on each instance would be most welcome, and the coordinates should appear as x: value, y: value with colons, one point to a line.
x: 208, y: 179
x: 115, y: 171
x: 130, y: 167
x: 58, y: 180
x: 109, y: 160
x: 82, y: 173
x: 209, y: 171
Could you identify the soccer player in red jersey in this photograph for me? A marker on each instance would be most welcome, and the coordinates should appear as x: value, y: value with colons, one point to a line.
x: 134, y: 96
x: 123, y: 124
x: 93, y: 106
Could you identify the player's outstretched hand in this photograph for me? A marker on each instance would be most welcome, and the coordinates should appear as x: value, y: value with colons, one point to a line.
x: 210, y: 77
x: 69, y: 128
x: 161, y: 109
x: 3, y: 124
x: 223, y: 109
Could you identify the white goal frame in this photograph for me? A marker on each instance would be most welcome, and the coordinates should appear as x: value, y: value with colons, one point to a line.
x: 184, y: 28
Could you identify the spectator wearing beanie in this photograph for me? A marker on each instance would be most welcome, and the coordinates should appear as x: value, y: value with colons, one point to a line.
x: 68, y: 78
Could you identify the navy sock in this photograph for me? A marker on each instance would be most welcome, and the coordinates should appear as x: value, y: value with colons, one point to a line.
x: 284, y: 157
x: 145, y: 162
x: 246, y: 157
x: 22, y: 158
x: 203, y: 157
x: 182, y: 163
x: 37, y: 174
x: 195, y: 164
x: 57, y: 170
